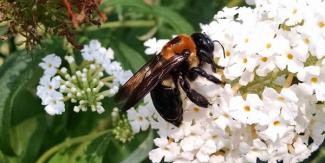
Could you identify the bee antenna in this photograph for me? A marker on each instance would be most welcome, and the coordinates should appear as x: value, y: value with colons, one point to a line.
x: 223, y: 49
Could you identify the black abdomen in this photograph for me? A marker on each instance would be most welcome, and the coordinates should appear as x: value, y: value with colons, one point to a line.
x: 168, y: 103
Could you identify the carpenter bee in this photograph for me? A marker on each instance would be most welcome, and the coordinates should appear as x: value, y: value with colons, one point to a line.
x: 179, y: 62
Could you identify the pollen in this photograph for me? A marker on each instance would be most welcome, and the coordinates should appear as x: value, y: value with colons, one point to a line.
x: 245, y: 60
x: 264, y: 59
x: 281, y: 98
x: 290, y: 56
x: 247, y: 108
x: 226, y: 115
x: 246, y: 40
x: 314, y: 80
x: 294, y: 11
x: 196, y: 109
x: 276, y: 123
x: 140, y: 118
x: 268, y: 45
x: 306, y: 40
x: 321, y: 24
x: 227, y: 53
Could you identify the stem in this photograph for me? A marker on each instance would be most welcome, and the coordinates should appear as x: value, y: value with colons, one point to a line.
x: 68, y: 143
x: 260, y: 82
x: 289, y: 80
x: 128, y: 23
x: 107, y: 79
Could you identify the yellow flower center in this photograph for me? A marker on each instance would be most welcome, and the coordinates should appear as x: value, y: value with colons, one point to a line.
x: 294, y: 11
x: 276, y: 123
x: 306, y: 40
x: 247, y: 108
x: 227, y: 53
x: 268, y: 45
x: 281, y: 98
x: 196, y: 109
x: 314, y: 80
x: 245, y: 60
x: 246, y: 40
x: 290, y: 56
x: 321, y: 24
x: 264, y: 59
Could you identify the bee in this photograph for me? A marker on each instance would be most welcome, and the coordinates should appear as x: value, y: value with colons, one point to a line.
x: 179, y: 62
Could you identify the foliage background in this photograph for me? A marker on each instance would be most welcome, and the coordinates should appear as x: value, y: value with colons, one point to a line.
x: 27, y: 132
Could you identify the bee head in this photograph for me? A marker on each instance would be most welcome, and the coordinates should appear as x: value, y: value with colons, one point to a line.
x: 203, y: 43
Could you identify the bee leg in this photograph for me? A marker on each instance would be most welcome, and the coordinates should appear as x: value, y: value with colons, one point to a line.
x: 208, y: 58
x: 193, y: 95
x: 195, y: 71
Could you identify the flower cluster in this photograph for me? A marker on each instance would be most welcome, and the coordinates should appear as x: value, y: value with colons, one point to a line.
x: 84, y: 84
x: 272, y: 108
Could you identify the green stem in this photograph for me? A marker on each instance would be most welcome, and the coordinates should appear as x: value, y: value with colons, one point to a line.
x: 108, y: 78
x: 258, y: 83
x: 128, y: 23
x: 288, y: 80
x: 234, y: 3
x: 68, y: 143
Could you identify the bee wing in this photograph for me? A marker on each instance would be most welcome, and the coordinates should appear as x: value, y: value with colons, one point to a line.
x: 146, y: 79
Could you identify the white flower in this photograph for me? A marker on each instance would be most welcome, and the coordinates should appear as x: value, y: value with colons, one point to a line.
x: 293, y: 59
x: 138, y: 119
x: 54, y: 104
x: 122, y: 76
x: 207, y: 148
x: 167, y: 150
x: 104, y: 56
x: 314, y: 81
x: 154, y: 46
x: 47, y: 86
x: 50, y: 64
x: 247, y: 111
x: 283, y: 103
x: 266, y: 64
x: 84, y: 85
x: 191, y: 143
x: 250, y: 2
x: 241, y: 65
x: 112, y: 67
x: 90, y: 51
x: 277, y: 128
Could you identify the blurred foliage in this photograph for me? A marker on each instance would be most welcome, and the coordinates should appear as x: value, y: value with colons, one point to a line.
x: 34, y: 19
x: 27, y: 133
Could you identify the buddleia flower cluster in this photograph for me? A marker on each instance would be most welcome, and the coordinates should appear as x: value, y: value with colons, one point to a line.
x: 272, y: 107
x: 84, y: 84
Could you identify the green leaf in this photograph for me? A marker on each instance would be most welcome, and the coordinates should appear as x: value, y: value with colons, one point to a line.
x: 30, y: 134
x: 60, y: 157
x: 10, y: 85
x: 130, y: 56
x: 32, y: 146
x: 174, y: 19
x: 179, y: 24
x: 320, y: 157
x: 135, y: 151
x: 141, y: 152
x: 96, y: 149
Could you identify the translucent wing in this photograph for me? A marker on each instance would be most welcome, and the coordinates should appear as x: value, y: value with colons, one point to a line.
x: 143, y: 81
